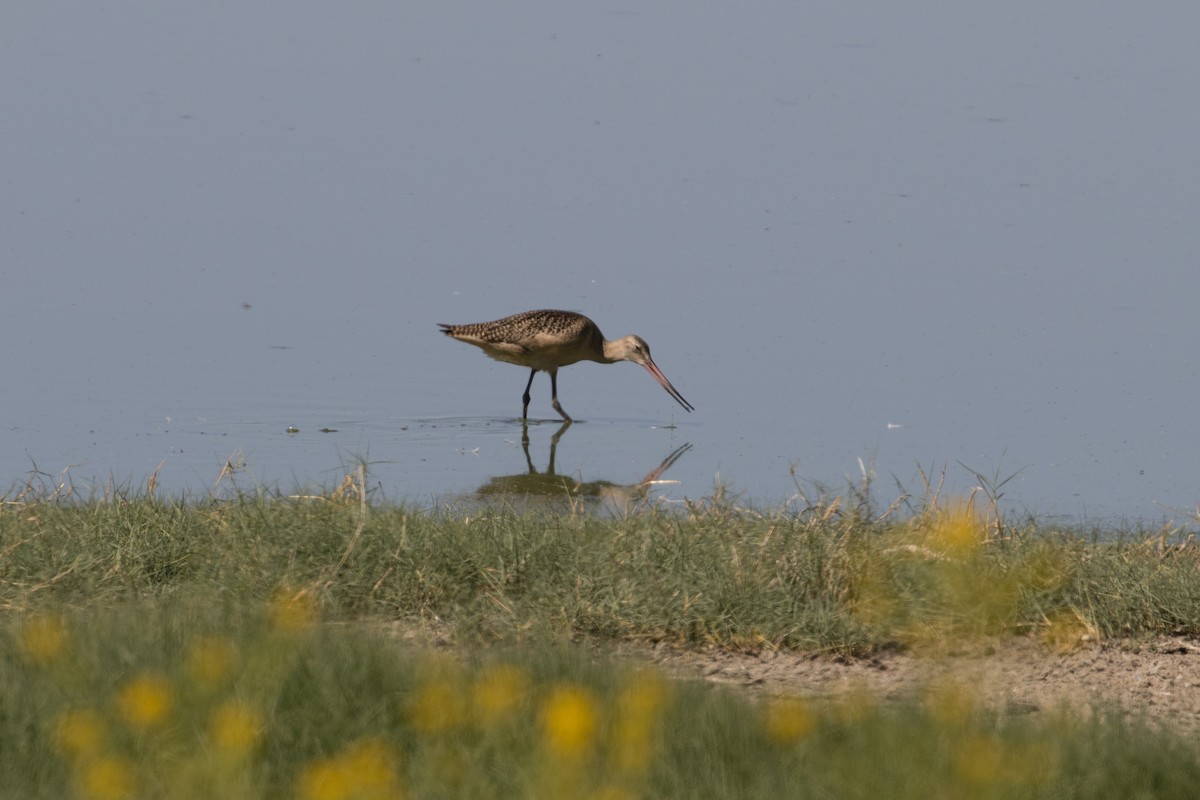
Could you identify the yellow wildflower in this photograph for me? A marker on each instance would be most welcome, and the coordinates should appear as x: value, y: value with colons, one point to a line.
x: 106, y: 779
x: 364, y: 771
x: 438, y: 705
x: 211, y: 660
x: 234, y: 727
x: 79, y: 733
x: 569, y: 718
x: 43, y: 639
x: 788, y: 719
x: 144, y: 701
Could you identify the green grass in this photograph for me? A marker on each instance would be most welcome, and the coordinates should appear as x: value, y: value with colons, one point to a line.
x: 253, y: 647
x: 815, y: 581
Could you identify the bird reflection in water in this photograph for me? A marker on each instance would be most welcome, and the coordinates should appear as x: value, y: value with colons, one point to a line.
x: 549, y: 486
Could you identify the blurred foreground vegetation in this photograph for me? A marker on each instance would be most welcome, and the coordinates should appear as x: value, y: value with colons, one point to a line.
x: 257, y: 646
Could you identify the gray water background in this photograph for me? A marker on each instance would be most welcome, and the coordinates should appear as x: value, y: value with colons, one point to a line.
x: 875, y: 236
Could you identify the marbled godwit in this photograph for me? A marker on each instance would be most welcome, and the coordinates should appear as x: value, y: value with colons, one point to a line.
x: 546, y: 340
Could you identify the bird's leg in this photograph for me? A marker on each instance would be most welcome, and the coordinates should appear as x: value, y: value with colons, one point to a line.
x: 525, y: 447
x: 558, y: 433
x: 525, y: 397
x: 554, y: 395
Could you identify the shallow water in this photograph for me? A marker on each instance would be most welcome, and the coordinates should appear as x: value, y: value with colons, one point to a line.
x: 873, y: 239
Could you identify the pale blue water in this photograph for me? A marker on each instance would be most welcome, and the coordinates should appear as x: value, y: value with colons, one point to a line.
x: 908, y: 234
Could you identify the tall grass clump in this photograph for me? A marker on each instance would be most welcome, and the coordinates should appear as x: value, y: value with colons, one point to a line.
x: 830, y: 577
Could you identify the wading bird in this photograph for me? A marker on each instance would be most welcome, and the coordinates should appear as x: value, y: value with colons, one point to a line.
x: 546, y: 340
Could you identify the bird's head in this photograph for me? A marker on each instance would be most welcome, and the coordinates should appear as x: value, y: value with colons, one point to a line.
x: 635, y: 349
x: 630, y: 348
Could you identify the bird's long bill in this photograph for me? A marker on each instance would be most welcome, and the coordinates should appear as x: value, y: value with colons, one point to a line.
x: 653, y: 369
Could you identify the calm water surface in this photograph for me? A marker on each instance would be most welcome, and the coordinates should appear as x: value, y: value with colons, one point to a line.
x: 870, y: 236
